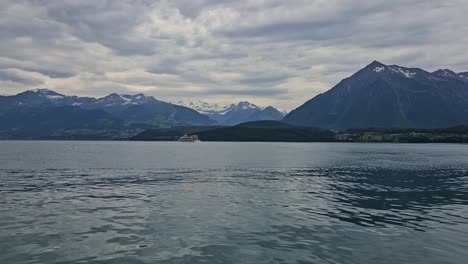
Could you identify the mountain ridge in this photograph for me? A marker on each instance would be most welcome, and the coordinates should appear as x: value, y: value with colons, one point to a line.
x: 122, y: 106
x: 234, y: 113
x: 390, y: 96
x: 140, y: 108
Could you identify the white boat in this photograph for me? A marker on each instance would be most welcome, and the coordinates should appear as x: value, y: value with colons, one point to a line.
x: 187, y: 138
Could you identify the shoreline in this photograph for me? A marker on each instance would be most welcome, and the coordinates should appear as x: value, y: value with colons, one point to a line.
x: 230, y: 141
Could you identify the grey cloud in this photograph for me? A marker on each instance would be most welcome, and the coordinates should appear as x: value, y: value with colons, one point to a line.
x: 167, y: 66
x: 263, y: 80
x: 51, y: 73
x: 223, y: 91
x: 222, y: 47
x: 110, y: 23
x: 6, y: 75
x: 194, y: 7
x: 353, y: 25
x: 254, y: 91
x: 341, y: 32
x: 54, y: 74
x: 304, y: 30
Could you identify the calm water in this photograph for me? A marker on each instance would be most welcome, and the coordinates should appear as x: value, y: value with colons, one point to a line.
x: 145, y: 202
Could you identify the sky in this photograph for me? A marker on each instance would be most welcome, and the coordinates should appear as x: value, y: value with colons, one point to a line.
x: 269, y: 52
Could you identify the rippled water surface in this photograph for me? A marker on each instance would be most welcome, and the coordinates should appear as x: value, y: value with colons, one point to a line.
x: 145, y: 202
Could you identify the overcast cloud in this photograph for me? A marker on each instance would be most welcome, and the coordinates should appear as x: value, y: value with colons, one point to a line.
x: 265, y: 51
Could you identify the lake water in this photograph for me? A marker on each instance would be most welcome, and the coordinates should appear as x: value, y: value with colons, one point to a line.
x: 170, y: 202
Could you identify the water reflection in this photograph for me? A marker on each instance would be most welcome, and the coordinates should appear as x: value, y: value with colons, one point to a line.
x: 340, y: 214
x: 379, y: 197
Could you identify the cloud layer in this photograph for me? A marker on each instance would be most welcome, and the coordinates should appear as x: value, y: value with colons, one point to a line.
x: 268, y: 52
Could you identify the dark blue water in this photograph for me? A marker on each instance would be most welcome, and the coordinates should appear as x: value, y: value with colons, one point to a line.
x: 140, y: 202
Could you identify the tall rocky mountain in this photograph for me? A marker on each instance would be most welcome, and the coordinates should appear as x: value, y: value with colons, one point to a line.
x: 389, y: 96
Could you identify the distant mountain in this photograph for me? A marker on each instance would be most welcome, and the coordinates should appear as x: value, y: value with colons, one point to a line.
x: 132, y: 108
x: 201, y: 106
x: 389, y: 96
x: 32, y: 98
x: 269, y: 113
x: 234, y: 113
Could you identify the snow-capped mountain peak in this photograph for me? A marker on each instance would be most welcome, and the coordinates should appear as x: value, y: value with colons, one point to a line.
x: 445, y: 73
x: 378, y: 69
x: 42, y: 92
x: 238, y: 107
x: 244, y: 105
x: 234, y: 113
x: 201, y: 106
x: 216, y: 108
x: 125, y: 99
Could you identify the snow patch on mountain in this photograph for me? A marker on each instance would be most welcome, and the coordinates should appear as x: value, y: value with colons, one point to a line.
x: 125, y: 99
x: 463, y: 75
x: 214, y: 108
x: 201, y: 106
x: 403, y: 71
x: 46, y: 92
x: 55, y: 97
x: 241, y: 106
x: 40, y: 90
x: 378, y: 69
x: 246, y: 105
x: 221, y: 109
x: 283, y: 110
x: 445, y: 73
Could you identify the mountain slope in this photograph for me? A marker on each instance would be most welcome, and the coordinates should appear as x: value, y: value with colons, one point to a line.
x: 158, y: 111
x: 39, y: 122
x: 388, y: 96
x: 269, y: 113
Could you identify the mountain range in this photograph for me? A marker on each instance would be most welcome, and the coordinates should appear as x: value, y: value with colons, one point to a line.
x: 233, y: 114
x: 43, y: 112
x: 389, y: 96
x: 132, y: 108
x: 377, y: 96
